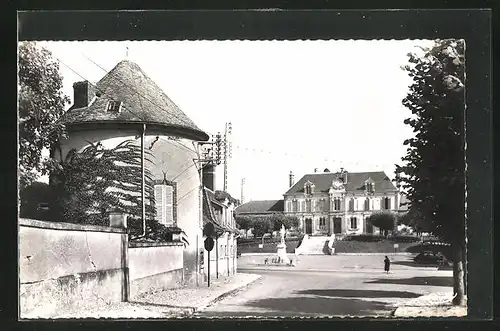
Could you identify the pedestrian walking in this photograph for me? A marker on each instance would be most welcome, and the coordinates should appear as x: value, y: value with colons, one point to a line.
x: 387, y: 264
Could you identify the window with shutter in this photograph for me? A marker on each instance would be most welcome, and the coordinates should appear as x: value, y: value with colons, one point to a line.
x: 169, y: 205
x: 159, y: 191
x: 164, y: 204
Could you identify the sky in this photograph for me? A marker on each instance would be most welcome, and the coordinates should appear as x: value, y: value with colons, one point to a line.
x: 293, y: 105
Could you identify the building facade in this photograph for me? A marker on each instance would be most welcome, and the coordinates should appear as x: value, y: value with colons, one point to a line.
x: 340, y: 203
x: 126, y: 105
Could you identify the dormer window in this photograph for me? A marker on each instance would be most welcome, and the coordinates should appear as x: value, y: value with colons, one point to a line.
x: 309, y: 188
x: 114, y: 106
x: 369, y: 186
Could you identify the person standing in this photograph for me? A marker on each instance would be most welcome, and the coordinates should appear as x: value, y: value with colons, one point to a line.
x: 387, y: 264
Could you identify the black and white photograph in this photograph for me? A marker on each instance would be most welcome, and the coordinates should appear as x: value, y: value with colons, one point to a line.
x: 242, y: 178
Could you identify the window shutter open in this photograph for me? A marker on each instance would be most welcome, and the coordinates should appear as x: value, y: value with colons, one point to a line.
x: 160, y: 203
x: 169, y: 205
x: 164, y: 204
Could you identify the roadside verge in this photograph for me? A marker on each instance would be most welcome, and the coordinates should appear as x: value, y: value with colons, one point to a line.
x: 431, y: 305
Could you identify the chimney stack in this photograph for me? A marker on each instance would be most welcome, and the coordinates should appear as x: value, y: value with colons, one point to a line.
x: 291, y: 177
x: 83, y: 93
x: 315, y: 170
x: 209, y: 176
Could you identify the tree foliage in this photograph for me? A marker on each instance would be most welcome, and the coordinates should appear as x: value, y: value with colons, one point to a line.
x: 274, y: 221
x: 385, y: 220
x: 433, y: 172
x: 261, y: 226
x: 287, y: 221
x: 41, y: 104
x: 244, y: 222
x: 96, y: 181
x: 32, y: 197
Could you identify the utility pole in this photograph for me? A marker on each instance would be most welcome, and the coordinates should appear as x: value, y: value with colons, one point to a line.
x: 143, y: 184
x: 227, y: 151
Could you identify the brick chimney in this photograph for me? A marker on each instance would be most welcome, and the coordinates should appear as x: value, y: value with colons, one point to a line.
x: 83, y: 93
x: 291, y: 179
x: 209, y: 176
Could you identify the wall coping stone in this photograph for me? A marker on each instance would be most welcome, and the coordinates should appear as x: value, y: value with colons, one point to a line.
x: 26, y: 222
x: 154, y: 244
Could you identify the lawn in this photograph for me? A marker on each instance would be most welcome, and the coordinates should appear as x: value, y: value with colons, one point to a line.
x: 269, y: 247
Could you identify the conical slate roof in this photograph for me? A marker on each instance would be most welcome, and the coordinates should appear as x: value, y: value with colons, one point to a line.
x: 143, y: 102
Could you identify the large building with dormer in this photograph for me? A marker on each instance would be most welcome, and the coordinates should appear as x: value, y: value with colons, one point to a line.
x: 340, y: 202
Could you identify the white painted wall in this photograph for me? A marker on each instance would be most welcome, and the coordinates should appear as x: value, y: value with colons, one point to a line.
x: 173, y: 157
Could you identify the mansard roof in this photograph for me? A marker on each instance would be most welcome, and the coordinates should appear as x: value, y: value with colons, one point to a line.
x: 355, y: 182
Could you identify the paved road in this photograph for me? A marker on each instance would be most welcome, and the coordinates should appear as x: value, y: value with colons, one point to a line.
x: 356, y: 287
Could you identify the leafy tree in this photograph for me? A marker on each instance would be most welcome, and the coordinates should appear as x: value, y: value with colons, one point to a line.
x: 31, y: 198
x: 383, y: 220
x: 261, y: 226
x: 434, y: 169
x: 90, y: 184
x: 414, y: 219
x: 41, y: 103
x: 244, y: 222
x: 288, y: 221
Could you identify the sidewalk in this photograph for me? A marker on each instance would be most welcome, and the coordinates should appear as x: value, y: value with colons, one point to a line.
x: 173, y: 303
x: 431, y: 305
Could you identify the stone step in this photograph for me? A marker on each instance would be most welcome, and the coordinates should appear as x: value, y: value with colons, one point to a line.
x: 313, y: 245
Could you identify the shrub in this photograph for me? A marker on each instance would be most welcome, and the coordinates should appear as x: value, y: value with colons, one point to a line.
x: 155, y: 231
x: 404, y: 239
x: 364, y: 237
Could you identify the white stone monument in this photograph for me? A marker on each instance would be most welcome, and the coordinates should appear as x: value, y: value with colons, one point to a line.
x: 282, y: 247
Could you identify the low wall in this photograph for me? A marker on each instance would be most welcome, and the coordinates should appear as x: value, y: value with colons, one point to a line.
x: 66, y: 266
x: 154, y: 266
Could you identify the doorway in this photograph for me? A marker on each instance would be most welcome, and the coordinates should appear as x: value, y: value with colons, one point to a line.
x: 337, y: 225
x: 368, y: 226
x: 309, y: 226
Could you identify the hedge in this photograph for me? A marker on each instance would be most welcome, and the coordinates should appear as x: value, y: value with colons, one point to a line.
x: 404, y: 239
x: 364, y: 237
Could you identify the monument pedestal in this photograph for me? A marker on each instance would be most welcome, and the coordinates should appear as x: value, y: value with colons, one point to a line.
x: 282, y: 254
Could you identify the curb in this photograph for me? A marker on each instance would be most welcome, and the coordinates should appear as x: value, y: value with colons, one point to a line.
x: 221, y: 296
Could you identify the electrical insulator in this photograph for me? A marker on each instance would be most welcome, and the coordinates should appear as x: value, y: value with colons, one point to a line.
x: 218, y: 147
x: 229, y: 127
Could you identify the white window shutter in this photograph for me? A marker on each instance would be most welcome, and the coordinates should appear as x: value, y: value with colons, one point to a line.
x: 169, y: 205
x: 160, y: 203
